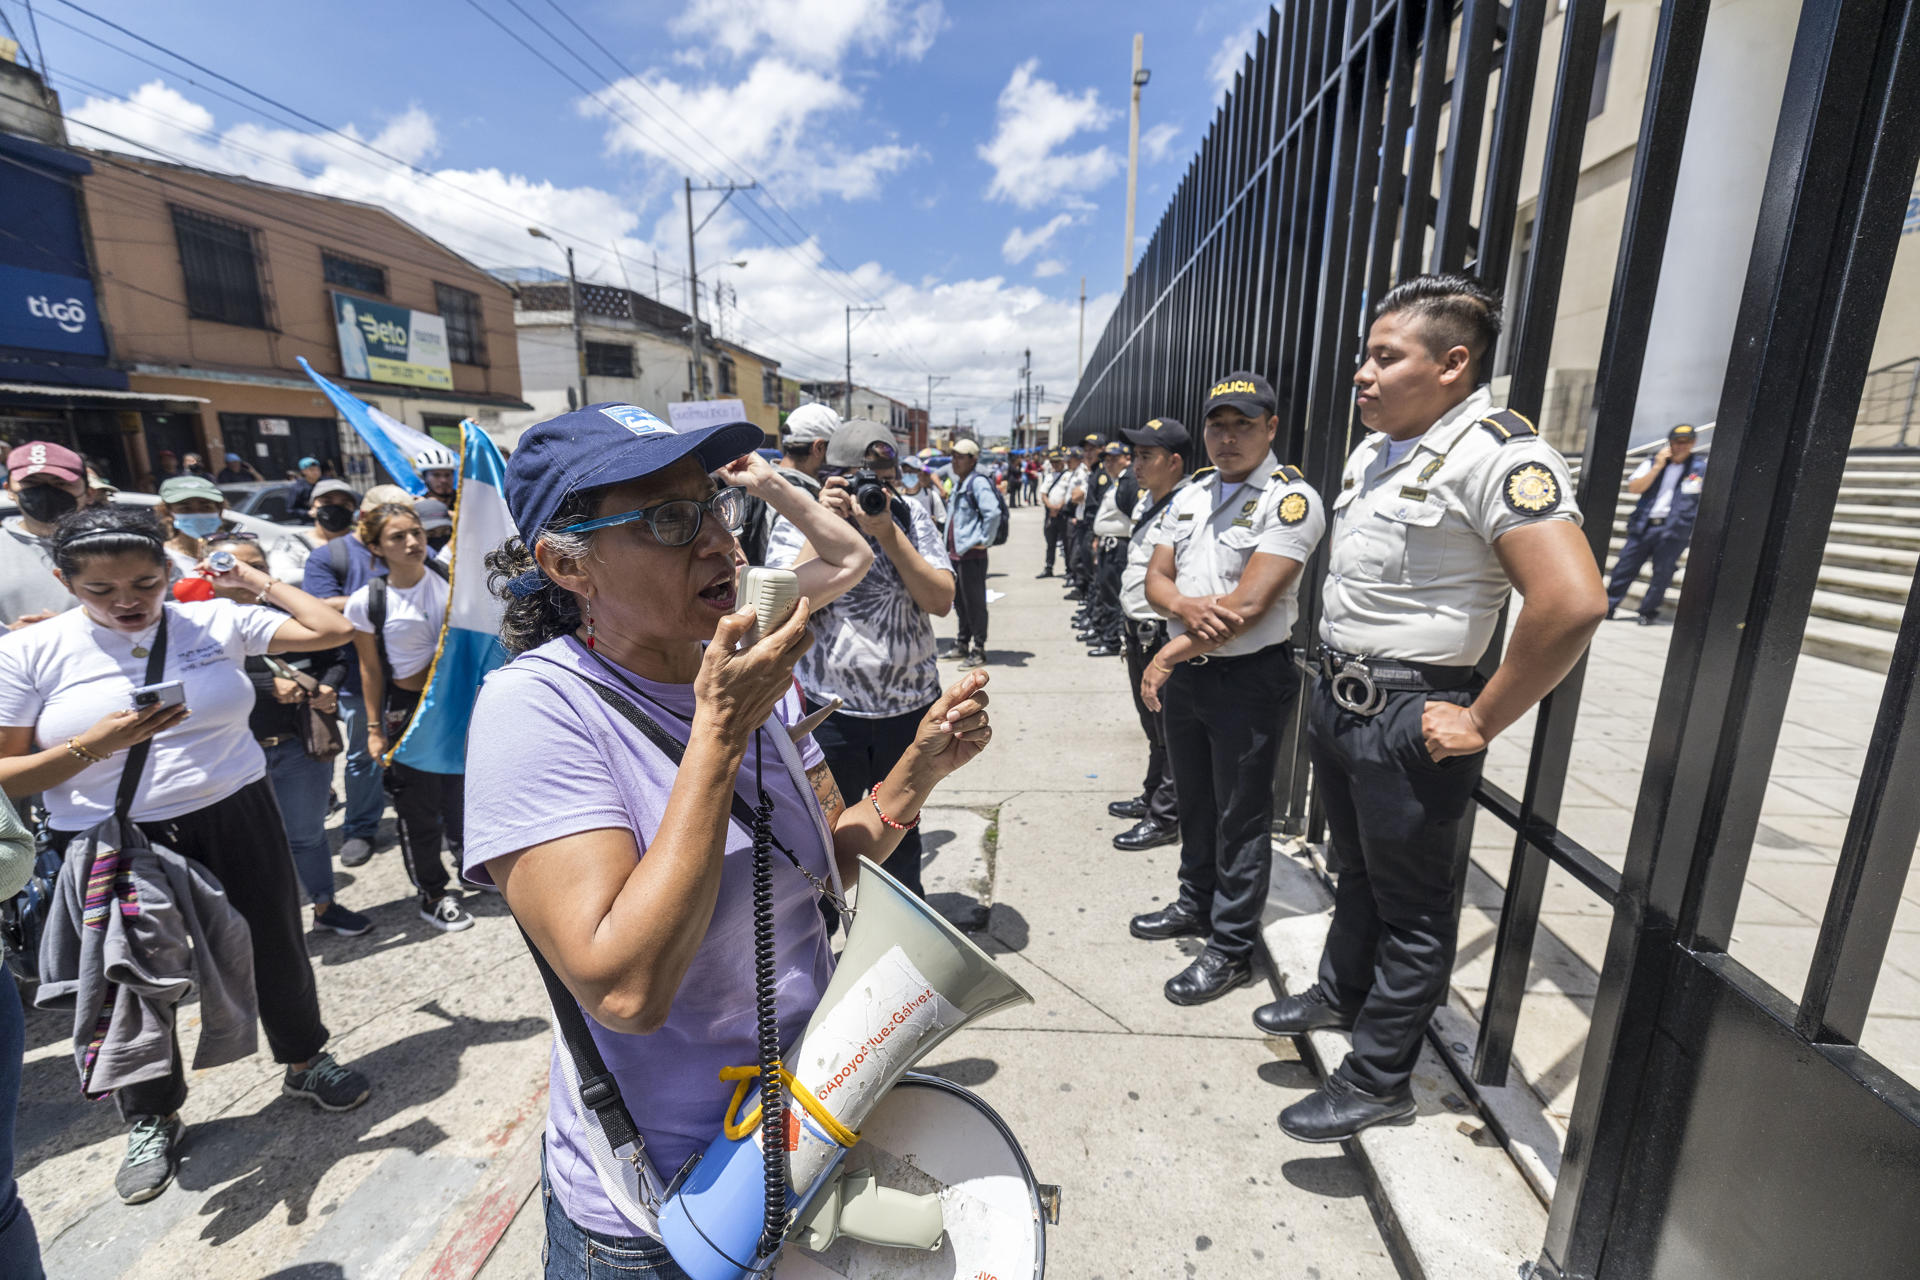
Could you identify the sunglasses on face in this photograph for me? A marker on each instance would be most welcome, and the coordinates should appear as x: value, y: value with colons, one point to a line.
x: 677, y: 522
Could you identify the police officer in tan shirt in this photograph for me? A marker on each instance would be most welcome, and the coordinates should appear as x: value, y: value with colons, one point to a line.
x: 1444, y: 508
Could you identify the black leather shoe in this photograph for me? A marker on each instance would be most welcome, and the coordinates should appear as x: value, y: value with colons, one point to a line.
x: 1296, y: 1015
x: 1087, y: 637
x: 1047, y: 574
x: 1135, y: 808
x: 1339, y: 1109
x: 1076, y: 594
x: 1105, y: 649
x: 1176, y: 921
x: 1147, y: 834
x: 1209, y: 977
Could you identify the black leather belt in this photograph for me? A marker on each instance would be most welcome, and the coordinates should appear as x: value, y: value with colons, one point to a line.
x: 1361, y: 684
x: 1282, y: 651
x: 276, y: 740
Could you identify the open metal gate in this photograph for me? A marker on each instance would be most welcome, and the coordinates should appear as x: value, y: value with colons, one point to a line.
x: 1720, y: 1128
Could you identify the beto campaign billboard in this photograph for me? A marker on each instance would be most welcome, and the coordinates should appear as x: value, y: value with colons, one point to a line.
x: 382, y: 343
x: 42, y: 311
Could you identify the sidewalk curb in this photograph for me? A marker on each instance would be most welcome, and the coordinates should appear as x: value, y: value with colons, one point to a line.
x: 468, y: 1236
x: 1453, y: 1202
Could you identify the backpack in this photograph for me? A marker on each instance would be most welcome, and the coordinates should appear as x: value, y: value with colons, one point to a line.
x: 377, y: 615
x: 999, y: 534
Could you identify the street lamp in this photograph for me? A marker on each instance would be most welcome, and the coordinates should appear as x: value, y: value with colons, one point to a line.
x: 573, y: 298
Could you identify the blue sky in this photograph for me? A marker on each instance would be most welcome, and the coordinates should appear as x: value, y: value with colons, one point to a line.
x: 962, y: 163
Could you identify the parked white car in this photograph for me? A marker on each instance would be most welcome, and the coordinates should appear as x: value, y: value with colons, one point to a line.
x: 286, y: 546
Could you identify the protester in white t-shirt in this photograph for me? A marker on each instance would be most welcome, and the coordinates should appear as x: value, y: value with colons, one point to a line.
x: 396, y: 653
x: 66, y: 704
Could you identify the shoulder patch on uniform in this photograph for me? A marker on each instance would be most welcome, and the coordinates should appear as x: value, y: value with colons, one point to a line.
x: 1506, y: 426
x: 1293, y: 508
x: 1204, y: 471
x: 1530, y: 489
x: 1292, y: 475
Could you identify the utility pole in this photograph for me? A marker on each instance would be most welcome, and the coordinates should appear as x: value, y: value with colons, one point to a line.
x: 697, y: 375
x: 1027, y: 375
x: 573, y: 304
x: 850, y: 311
x: 1140, y: 75
x: 1080, y: 353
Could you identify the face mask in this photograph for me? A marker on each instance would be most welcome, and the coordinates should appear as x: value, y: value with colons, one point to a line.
x: 197, y: 526
x: 439, y: 538
x: 45, y: 503
x: 334, y: 519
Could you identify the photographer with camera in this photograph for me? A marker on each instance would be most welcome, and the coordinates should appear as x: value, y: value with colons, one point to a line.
x: 873, y: 647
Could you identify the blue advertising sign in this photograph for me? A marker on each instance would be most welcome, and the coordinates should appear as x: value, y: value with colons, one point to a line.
x: 41, y: 311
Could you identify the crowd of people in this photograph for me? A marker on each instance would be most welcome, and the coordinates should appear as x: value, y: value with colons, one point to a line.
x: 194, y: 740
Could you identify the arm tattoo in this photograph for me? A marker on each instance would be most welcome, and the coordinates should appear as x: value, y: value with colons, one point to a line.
x: 827, y: 792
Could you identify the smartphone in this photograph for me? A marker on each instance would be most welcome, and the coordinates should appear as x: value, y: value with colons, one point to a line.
x: 168, y: 693
x: 771, y: 594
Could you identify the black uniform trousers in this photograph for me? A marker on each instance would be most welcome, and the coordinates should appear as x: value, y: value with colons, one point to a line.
x: 1393, y: 817
x: 241, y: 841
x: 1663, y: 544
x: 1106, y: 618
x: 1222, y: 720
x: 1080, y: 556
x: 1056, y: 531
x: 1163, y: 805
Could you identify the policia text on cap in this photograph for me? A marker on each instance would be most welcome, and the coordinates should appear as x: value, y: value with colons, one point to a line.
x: 1442, y: 508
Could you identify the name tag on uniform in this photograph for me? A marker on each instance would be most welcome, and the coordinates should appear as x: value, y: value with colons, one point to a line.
x: 1184, y: 515
x: 1413, y: 493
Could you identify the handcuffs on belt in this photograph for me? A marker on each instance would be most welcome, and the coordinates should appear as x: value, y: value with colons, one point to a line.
x: 1352, y: 686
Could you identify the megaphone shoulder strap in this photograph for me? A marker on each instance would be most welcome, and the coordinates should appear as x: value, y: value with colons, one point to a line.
x: 599, y: 1091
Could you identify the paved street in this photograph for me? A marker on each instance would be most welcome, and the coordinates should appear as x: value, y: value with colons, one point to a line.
x: 1157, y: 1122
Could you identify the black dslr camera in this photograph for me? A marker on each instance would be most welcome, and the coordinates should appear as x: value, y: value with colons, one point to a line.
x: 868, y: 492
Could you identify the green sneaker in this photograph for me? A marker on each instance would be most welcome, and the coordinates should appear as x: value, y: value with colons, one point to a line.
x: 326, y: 1082
x: 153, y: 1155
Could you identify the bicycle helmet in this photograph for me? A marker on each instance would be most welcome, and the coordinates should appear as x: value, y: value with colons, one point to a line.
x: 436, y: 457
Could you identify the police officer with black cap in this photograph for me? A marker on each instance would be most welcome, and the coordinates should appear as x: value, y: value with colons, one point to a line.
x: 1226, y: 574
x: 1111, y: 525
x: 1089, y: 485
x: 1441, y: 507
x: 1160, y: 469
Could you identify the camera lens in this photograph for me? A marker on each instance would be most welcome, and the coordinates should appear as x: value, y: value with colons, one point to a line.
x: 872, y: 499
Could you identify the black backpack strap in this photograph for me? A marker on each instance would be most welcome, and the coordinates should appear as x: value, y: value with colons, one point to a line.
x: 599, y: 1091
x: 438, y: 567
x: 340, y: 559
x: 670, y: 746
x: 377, y: 616
x: 137, y: 754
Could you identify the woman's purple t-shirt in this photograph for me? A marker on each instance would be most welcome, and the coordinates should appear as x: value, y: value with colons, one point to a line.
x: 547, y: 758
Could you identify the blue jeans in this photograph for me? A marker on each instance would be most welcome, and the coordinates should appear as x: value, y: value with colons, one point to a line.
x: 300, y: 784
x: 573, y: 1253
x: 366, y: 799
x: 19, y: 1248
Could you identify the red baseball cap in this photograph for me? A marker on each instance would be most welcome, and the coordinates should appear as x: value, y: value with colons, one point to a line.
x: 42, y: 457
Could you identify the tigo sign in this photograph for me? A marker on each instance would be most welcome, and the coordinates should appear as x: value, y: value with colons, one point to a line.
x: 41, y: 311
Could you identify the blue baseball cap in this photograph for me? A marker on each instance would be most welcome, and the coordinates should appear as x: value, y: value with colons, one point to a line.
x: 605, y: 444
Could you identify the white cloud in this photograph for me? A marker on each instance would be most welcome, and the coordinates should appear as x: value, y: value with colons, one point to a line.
x: 815, y: 31
x: 1034, y: 120
x: 1157, y: 141
x: 1230, y: 57
x: 1050, y: 267
x: 790, y: 300
x: 1021, y: 245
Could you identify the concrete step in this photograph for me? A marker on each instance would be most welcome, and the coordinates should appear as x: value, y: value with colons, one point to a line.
x: 1890, y: 587
x: 1847, y: 555
x: 1832, y: 601
x: 1868, y: 647
x: 1870, y: 533
x: 1876, y: 513
x: 1895, y: 495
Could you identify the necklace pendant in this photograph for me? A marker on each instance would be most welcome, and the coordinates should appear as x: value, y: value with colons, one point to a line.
x: 141, y: 651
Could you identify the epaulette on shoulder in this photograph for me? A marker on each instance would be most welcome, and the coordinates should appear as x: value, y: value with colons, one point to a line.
x: 1204, y: 471
x: 1506, y: 426
x: 1290, y: 475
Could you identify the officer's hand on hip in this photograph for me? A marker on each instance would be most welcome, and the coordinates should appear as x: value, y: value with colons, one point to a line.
x: 1450, y: 730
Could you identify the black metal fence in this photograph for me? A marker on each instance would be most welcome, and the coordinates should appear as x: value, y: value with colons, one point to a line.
x: 1324, y: 178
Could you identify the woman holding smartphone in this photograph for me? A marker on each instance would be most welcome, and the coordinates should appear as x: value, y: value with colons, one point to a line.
x: 67, y: 717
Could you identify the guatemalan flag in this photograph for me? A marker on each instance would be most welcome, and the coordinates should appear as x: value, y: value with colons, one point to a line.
x: 436, y: 738
x: 393, y: 442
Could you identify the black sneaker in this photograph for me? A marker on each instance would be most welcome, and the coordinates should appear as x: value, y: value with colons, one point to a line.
x: 348, y: 924
x: 327, y: 1083
x: 445, y: 913
x: 153, y: 1155
x: 974, y: 658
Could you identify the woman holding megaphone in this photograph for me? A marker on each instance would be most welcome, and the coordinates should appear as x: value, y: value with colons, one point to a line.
x: 606, y: 763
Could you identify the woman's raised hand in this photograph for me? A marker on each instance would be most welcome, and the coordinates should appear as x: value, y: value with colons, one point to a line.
x: 956, y: 728
x: 739, y: 688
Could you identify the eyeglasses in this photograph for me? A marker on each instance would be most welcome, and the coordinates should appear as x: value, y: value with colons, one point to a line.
x: 678, y: 522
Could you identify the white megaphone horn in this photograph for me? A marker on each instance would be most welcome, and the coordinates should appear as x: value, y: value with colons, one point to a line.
x: 906, y: 981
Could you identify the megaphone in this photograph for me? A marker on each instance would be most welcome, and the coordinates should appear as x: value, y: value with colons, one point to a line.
x: 906, y: 981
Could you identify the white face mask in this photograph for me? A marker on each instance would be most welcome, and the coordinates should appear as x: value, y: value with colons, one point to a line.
x: 909, y: 481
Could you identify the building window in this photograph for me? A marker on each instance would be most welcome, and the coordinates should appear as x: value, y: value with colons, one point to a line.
x: 466, y: 335
x: 350, y: 273
x: 728, y: 385
x: 221, y: 268
x: 1603, y: 67
x: 770, y: 387
x: 610, y: 359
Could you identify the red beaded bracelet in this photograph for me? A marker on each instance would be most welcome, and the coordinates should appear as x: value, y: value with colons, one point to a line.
x: 874, y: 796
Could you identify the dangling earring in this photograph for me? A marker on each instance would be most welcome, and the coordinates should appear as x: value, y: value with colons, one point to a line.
x: 590, y: 624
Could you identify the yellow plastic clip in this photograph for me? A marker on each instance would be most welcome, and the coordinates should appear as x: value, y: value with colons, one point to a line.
x: 737, y: 1126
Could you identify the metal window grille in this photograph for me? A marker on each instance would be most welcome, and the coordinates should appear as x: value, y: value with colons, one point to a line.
x: 466, y: 332
x: 351, y: 273
x: 728, y: 383
x: 609, y: 360
x: 221, y: 266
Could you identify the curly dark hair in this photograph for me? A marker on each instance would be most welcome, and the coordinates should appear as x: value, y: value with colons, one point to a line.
x: 548, y: 610
x: 92, y: 532
x: 1455, y: 310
